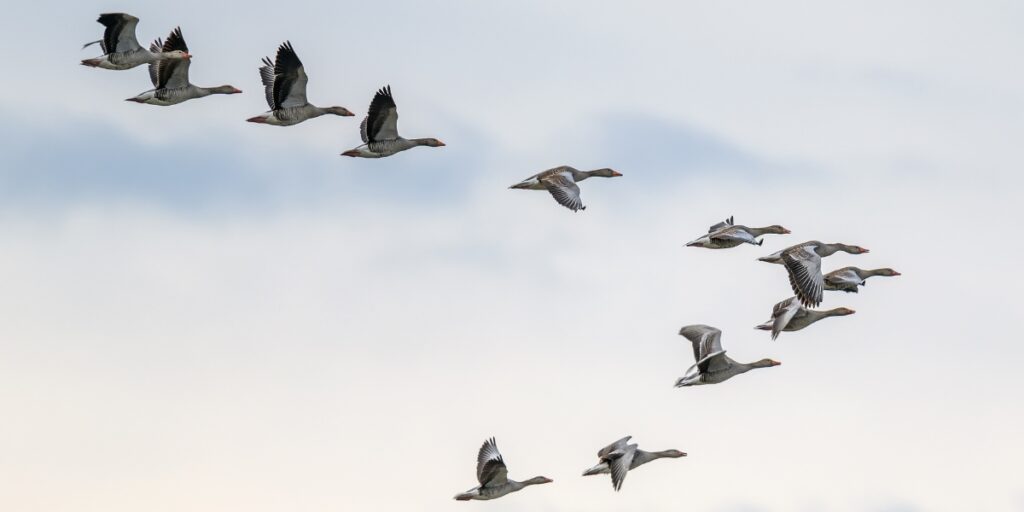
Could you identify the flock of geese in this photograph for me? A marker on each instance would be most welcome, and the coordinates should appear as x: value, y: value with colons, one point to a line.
x: 284, y: 80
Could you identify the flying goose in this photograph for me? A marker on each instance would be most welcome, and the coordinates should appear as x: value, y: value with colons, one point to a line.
x: 803, y: 263
x: 621, y: 457
x: 493, y: 476
x: 789, y: 315
x: 712, y: 365
x: 847, y: 279
x: 170, y: 77
x: 725, y: 235
x: 379, y: 130
x: 121, y: 49
x: 285, y: 82
x: 561, y: 183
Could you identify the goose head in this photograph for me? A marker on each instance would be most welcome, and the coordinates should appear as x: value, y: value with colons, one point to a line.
x: 887, y: 272
x: 675, y: 454
x: 765, y: 363
x: 431, y: 142
x: 538, y: 480
x: 177, y: 54
x: 605, y: 173
x: 339, y: 111
x: 225, y: 89
x: 842, y: 311
x: 776, y: 230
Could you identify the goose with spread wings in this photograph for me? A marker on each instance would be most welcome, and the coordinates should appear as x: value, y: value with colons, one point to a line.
x: 712, y: 365
x: 561, y: 183
x: 621, y: 457
x: 726, y: 234
x: 285, y: 82
x: 803, y: 263
x: 790, y: 315
x: 121, y: 48
x: 170, y: 77
x: 379, y: 130
x: 492, y: 474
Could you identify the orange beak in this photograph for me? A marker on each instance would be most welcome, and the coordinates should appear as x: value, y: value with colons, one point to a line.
x: 616, y: 173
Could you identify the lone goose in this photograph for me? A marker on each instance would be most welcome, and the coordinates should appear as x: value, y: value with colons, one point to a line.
x: 725, y: 235
x: 285, y: 82
x: 620, y: 457
x: 847, y: 279
x: 803, y: 262
x: 170, y: 77
x: 712, y: 365
x: 379, y: 130
x: 121, y: 49
x: 561, y: 183
x: 789, y: 316
x: 493, y: 476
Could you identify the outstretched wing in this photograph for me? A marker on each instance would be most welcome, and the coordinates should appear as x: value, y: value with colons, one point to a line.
x: 565, y: 191
x: 173, y: 73
x: 289, y: 85
x: 120, y: 33
x: 617, y: 445
x: 381, y: 122
x: 267, y: 77
x: 804, y: 267
x: 707, y: 347
x: 490, y: 467
x: 619, y: 462
x: 782, y: 313
x: 720, y: 225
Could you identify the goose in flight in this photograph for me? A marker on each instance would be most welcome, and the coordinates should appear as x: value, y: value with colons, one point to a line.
x: 803, y: 263
x: 493, y: 476
x: 725, y: 235
x: 285, y: 83
x: 121, y: 49
x: 847, y: 279
x: 620, y: 457
x: 170, y: 77
x: 379, y: 130
x: 561, y: 182
x: 789, y: 315
x: 712, y: 365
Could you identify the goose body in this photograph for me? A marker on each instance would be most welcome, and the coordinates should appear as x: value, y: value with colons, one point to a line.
x: 284, y: 82
x: 379, y: 130
x: 803, y: 263
x: 121, y: 49
x: 621, y: 457
x: 712, y: 366
x: 789, y: 315
x: 170, y: 77
x: 561, y: 182
x: 726, y: 234
x: 492, y: 474
x: 848, y: 279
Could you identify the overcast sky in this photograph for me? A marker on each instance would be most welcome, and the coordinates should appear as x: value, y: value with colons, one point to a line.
x: 202, y: 314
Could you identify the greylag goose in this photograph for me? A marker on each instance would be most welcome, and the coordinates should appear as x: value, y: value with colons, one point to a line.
x: 561, y: 183
x: 121, y: 49
x: 379, y: 130
x: 712, y: 365
x: 620, y: 457
x: 285, y: 82
x: 170, y: 77
x: 803, y: 263
x: 847, y: 279
x: 725, y: 235
x: 493, y: 476
x: 789, y: 315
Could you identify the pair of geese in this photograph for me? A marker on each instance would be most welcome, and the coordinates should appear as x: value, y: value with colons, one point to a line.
x: 617, y: 459
x: 284, y: 82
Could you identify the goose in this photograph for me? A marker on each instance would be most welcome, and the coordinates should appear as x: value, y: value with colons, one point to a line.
x: 285, y: 82
x: 789, y: 315
x: 725, y: 235
x: 712, y: 365
x: 170, y: 77
x: 121, y: 49
x: 493, y: 476
x: 803, y: 263
x: 379, y: 130
x: 621, y: 457
x: 847, y: 279
x: 561, y: 183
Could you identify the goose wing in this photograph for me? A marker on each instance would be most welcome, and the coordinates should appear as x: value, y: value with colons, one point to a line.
x: 782, y: 313
x: 289, y: 82
x: 617, y: 445
x: 119, y: 35
x: 733, y: 233
x: 720, y: 225
x: 804, y: 267
x: 619, y: 462
x: 154, y: 70
x: 845, y: 275
x: 172, y: 73
x: 381, y: 121
x: 564, y: 190
x: 490, y: 467
x: 707, y: 348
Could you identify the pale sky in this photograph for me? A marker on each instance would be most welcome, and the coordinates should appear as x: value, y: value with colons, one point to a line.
x: 202, y: 314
